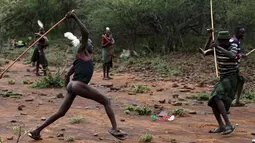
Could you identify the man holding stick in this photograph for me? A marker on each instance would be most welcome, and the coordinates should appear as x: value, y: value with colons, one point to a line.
x: 82, y: 69
x: 224, y: 92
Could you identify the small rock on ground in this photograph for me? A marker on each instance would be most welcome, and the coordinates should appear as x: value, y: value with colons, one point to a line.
x: 10, y: 138
x: 23, y: 114
x: 43, y: 118
x: 60, y: 134
x: 159, y: 89
x: 175, y: 95
x: 29, y: 99
x: 162, y: 101
x: 177, y: 104
x: 192, y: 112
x: 60, y: 95
x: 175, y: 85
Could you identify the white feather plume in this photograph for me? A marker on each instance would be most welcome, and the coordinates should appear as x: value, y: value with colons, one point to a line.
x: 40, y: 23
x: 74, y: 39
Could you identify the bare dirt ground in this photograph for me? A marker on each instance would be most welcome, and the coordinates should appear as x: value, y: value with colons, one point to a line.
x: 43, y: 103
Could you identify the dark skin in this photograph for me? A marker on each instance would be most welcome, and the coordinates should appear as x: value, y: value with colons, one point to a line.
x: 208, y: 50
x: 240, y: 35
x: 41, y: 43
x: 218, y: 107
x: 75, y: 88
x: 106, y: 66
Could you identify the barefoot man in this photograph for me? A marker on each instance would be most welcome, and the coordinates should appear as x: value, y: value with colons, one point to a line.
x: 82, y: 69
x: 224, y: 92
x: 107, y: 45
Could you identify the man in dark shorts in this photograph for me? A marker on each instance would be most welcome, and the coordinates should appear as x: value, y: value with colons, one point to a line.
x: 82, y: 69
x: 224, y: 92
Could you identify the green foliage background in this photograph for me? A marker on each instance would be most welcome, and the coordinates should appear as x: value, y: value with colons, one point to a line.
x: 158, y: 26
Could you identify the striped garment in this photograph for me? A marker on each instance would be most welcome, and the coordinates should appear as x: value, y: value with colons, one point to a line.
x: 226, y: 65
x: 234, y: 42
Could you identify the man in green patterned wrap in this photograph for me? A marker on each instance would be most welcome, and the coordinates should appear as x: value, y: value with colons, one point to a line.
x: 224, y: 92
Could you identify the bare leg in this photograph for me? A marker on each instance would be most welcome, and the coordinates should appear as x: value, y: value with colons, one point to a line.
x: 239, y: 92
x: 69, y: 98
x: 104, y: 70
x: 108, y: 70
x: 45, y: 70
x: 217, y: 116
x: 223, y: 111
x: 37, y: 68
x: 219, y: 120
x: 85, y: 91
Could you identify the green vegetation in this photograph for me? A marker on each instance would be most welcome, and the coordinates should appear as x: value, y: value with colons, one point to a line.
x: 77, y: 120
x: 139, y: 88
x: 50, y: 81
x: 145, y: 25
x: 27, y: 81
x: 250, y: 95
x: 141, y: 110
x: 11, y: 82
x: 172, y: 140
x: 9, y: 94
x: 147, y: 138
x: 70, y: 138
x: 179, y: 112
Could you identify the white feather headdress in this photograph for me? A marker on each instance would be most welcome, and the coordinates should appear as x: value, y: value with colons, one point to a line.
x: 40, y: 23
x: 74, y: 39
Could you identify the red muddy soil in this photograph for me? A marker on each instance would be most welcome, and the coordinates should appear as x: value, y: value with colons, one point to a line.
x: 192, y: 128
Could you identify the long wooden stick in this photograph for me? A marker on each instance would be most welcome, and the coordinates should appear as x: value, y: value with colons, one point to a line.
x: 213, y: 38
x: 250, y: 52
x: 32, y: 46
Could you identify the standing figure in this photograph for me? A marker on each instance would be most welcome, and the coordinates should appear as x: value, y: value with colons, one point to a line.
x: 107, y: 45
x: 224, y: 92
x: 82, y: 69
x: 38, y: 56
x: 235, y: 42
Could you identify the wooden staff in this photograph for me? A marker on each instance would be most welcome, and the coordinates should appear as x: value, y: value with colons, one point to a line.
x: 250, y: 52
x: 213, y: 38
x: 32, y: 46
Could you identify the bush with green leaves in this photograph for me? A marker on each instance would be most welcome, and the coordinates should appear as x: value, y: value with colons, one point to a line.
x: 11, y: 82
x: 250, y: 95
x: 147, y: 138
x: 140, y: 110
x: 161, y: 66
x: 179, y: 112
x: 50, y: 81
x: 140, y: 88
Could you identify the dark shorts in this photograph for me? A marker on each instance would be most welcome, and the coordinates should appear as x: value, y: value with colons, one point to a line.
x: 83, y: 71
x: 225, y: 90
